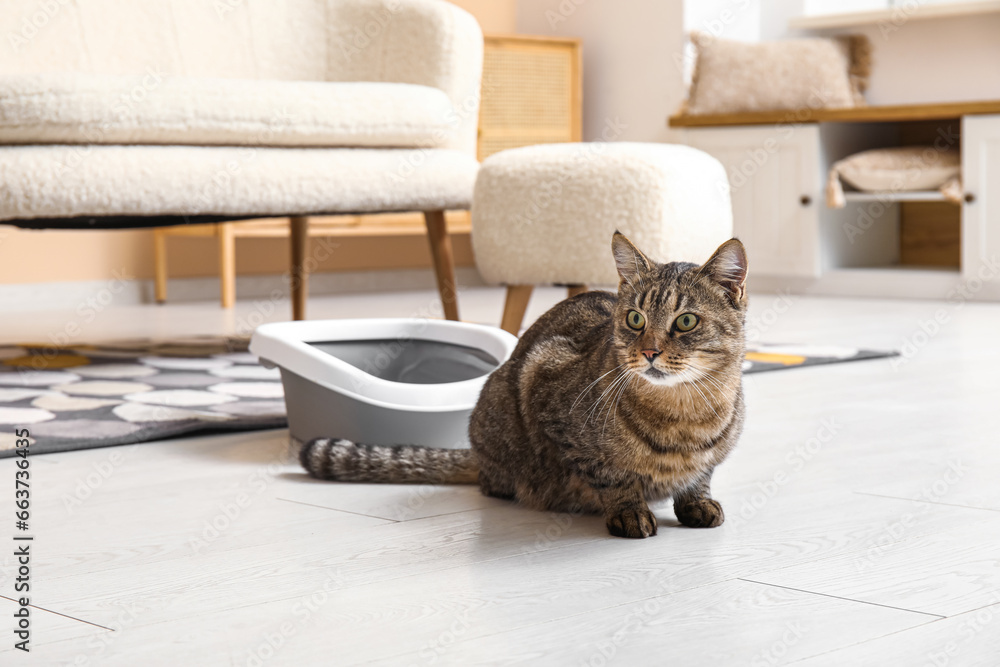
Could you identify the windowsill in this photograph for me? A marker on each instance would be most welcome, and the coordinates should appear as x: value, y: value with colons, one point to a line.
x: 894, y: 15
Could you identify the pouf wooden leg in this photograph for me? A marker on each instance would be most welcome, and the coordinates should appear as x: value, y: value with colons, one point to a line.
x: 300, y: 277
x: 514, y: 307
x: 444, y: 265
x: 573, y: 290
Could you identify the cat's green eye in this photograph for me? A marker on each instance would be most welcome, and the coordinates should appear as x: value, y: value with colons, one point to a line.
x: 686, y: 322
x: 635, y: 320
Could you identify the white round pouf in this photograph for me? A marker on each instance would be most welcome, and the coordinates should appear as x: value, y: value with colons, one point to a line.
x: 545, y: 214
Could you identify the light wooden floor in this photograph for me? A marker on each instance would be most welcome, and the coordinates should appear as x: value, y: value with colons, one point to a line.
x: 863, y: 528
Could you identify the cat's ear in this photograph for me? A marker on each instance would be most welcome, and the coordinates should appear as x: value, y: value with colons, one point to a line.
x: 629, y: 259
x: 728, y: 267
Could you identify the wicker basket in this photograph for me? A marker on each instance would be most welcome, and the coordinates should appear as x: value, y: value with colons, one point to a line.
x: 531, y: 92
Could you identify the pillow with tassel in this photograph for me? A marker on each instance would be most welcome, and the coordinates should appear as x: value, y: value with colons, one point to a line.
x: 900, y: 169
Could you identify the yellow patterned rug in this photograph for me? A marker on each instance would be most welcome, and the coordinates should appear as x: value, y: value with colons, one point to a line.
x: 143, y: 390
x: 772, y: 357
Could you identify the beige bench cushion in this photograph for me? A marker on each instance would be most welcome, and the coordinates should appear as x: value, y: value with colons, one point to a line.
x: 157, y: 109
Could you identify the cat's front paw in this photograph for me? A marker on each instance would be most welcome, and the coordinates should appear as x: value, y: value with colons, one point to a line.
x: 635, y: 522
x: 702, y: 513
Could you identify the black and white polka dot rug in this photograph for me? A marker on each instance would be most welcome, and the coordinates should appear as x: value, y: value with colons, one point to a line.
x: 133, y: 391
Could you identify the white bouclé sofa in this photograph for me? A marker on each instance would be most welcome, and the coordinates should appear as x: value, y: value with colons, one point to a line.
x: 125, y: 114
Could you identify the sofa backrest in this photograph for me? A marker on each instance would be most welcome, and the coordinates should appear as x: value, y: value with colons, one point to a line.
x: 428, y: 42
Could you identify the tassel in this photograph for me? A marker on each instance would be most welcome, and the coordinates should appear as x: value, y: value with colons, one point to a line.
x: 952, y: 190
x: 834, y: 190
x: 860, y: 49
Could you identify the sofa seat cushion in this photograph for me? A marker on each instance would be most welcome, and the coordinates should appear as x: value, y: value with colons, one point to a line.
x: 157, y: 109
x: 67, y: 181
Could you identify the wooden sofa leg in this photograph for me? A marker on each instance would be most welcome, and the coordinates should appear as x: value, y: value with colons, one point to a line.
x: 515, y: 306
x: 573, y: 290
x: 444, y: 264
x: 227, y: 263
x: 160, y: 265
x: 299, y: 274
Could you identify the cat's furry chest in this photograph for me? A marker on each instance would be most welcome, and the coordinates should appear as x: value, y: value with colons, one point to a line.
x: 675, y: 419
x: 670, y: 446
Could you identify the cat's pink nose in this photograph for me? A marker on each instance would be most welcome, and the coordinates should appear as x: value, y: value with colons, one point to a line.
x: 650, y: 354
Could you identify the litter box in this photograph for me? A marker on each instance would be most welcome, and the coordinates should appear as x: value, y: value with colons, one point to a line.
x: 382, y: 381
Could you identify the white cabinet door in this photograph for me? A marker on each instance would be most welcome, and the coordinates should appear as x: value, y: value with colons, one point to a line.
x: 981, y: 210
x: 774, y: 177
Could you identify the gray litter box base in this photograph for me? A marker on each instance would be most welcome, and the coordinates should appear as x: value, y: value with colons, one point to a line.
x: 317, y: 412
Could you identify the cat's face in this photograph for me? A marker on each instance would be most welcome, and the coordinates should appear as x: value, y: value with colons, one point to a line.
x: 680, y: 322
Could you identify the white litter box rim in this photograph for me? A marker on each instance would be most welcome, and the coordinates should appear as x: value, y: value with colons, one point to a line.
x: 287, y: 345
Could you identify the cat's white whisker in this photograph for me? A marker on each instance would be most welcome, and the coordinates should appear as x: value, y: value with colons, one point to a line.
x: 687, y: 392
x: 713, y: 385
x: 618, y: 399
x: 625, y: 378
x: 593, y: 383
x: 707, y: 401
x: 707, y: 375
x: 716, y: 379
x: 607, y: 391
x: 610, y: 403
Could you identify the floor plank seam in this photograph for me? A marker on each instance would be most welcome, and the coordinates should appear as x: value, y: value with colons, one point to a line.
x: 766, y: 568
x: 334, y: 509
x: 868, y: 641
x: 410, y: 522
x: 72, y: 618
x: 928, y: 502
x: 838, y: 597
x: 975, y: 609
x: 432, y: 516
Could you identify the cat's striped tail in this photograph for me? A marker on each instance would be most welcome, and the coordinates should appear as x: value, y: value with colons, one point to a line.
x: 345, y: 461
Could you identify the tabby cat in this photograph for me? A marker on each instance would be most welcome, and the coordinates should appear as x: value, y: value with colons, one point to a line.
x: 608, y: 402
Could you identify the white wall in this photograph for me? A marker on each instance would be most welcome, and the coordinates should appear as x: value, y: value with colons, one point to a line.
x: 728, y: 19
x: 632, y: 61
x: 935, y: 60
x: 914, y: 60
x: 774, y: 17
